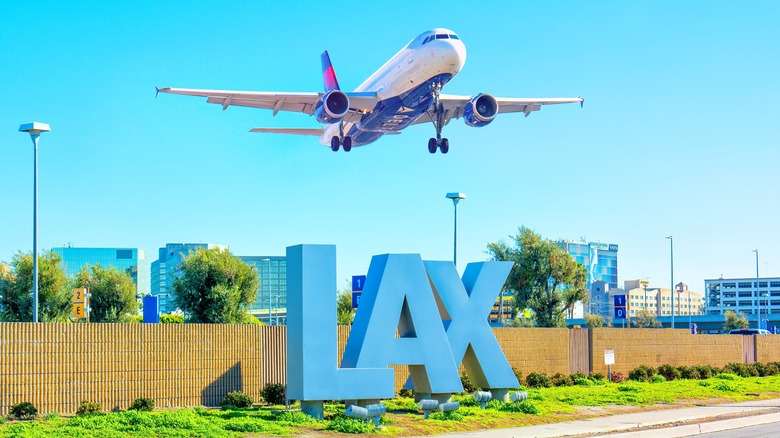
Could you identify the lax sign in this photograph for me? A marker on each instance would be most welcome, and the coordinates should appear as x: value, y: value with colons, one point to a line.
x: 440, y: 318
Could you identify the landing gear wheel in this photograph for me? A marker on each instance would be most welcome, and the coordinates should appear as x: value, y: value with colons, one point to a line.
x: 432, y: 145
x: 334, y: 144
x: 444, y: 146
x: 347, y: 143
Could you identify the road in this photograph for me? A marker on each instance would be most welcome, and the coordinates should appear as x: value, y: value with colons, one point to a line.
x: 761, y: 431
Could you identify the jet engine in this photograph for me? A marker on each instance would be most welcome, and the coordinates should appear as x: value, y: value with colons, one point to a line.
x: 480, y: 110
x: 332, y: 107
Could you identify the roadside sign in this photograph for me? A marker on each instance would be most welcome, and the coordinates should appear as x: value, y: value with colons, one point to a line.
x: 79, y: 295
x: 621, y: 307
x: 78, y: 310
x: 609, y: 357
x: 356, y: 298
x: 357, y: 282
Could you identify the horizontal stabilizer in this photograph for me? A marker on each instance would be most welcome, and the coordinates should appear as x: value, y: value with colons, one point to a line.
x: 295, y: 131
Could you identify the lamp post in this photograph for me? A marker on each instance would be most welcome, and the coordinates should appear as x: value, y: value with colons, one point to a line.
x: 35, y: 129
x: 671, y: 294
x: 456, y: 197
x: 758, y: 294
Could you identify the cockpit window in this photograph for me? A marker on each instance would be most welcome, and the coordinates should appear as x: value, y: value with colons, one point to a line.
x: 427, y: 39
x: 442, y: 36
x: 453, y: 36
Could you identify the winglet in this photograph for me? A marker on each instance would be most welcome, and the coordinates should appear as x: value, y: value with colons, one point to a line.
x: 582, y: 102
x: 156, y: 91
x: 328, y: 74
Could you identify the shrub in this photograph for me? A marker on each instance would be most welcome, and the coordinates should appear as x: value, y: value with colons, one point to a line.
x: 669, y: 372
x: 53, y: 415
x: 466, y: 382
x: 706, y: 371
x: 142, y: 404
x: 741, y: 369
x: 657, y: 378
x: 446, y: 416
x: 294, y: 417
x: 407, y: 393
x: 773, y: 368
x: 538, y: 380
x: 578, y: 375
x: 559, y: 379
x: 525, y: 406
x: 596, y: 377
x: 172, y: 318
x: 89, y: 408
x: 274, y: 394
x: 687, y: 372
x: 642, y: 373
x: 350, y: 425
x: 726, y: 376
x: 617, y: 377
x: 725, y: 386
x: 23, y: 411
x: 518, y: 375
x: 238, y: 399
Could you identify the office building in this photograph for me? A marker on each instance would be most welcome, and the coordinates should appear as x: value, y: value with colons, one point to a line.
x: 742, y: 295
x: 599, y: 259
x: 163, y: 270
x: 270, y: 307
x: 130, y: 260
x: 640, y: 295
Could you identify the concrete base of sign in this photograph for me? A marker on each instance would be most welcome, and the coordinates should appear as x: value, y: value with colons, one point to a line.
x: 314, y: 409
x: 501, y: 394
x: 440, y: 397
x: 362, y: 402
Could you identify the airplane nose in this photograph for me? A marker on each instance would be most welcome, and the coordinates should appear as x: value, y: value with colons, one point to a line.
x: 456, y: 55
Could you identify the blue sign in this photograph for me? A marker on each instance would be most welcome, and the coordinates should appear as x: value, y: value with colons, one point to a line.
x: 433, y: 341
x: 356, y: 298
x: 357, y: 283
x: 620, y: 306
x: 151, y: 309
x: 693, y: 328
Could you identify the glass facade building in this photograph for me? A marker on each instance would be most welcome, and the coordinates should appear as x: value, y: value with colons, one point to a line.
x: 130, y: 260
x: 599, y: 259
x: 270, y: 307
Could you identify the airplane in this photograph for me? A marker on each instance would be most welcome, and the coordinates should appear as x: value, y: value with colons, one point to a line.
x: 405, y: 91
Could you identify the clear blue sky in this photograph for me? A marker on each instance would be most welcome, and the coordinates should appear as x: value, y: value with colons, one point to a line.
x: 679, y: 134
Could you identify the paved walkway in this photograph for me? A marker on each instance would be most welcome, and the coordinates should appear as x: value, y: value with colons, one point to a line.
x: 659, y: 423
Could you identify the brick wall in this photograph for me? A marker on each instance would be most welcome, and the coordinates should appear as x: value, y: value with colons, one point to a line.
x: 55, y: 366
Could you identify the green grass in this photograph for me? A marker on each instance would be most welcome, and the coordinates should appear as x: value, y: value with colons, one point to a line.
x: 544, y: 405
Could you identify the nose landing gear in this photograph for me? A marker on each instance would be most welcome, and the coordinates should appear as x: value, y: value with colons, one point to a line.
x: 436, y: 114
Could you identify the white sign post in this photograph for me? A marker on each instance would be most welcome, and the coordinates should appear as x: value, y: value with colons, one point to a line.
x: 609, y: 360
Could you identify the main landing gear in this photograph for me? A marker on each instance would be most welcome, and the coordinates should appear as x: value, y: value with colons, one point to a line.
x: 346, y: 142
x: 436, y: 114
x: 341, y: 140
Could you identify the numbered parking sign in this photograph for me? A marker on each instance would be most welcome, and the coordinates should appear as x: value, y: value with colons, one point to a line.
x: 357, y: 282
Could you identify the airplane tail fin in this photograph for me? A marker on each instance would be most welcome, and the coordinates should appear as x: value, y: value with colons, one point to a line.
x: 328, y: 74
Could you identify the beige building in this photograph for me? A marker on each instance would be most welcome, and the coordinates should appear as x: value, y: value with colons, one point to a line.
x: 640, y: 295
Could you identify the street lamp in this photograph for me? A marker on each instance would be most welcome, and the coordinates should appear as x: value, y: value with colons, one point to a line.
x: 758, y: 295
x: 35, y: 129
x: 671, y: 294
x: 456, y: 197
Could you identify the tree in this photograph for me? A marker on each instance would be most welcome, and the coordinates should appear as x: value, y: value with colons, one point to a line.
x: 734, y: 321
x: 213, y: 286
x: 570, y: 298
x: 345, y: 314
x: 594, y: 321
x: 16, y: 288
x: 645, y: 319
x: 111, y: 293
x: 543, y: 273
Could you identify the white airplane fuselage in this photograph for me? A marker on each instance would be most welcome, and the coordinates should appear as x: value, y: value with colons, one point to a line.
x: 404, y: 86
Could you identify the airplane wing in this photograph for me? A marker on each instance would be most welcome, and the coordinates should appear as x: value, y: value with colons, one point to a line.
x: 454, y: 105
x: 295, y: 131
x: 359, y: 102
